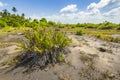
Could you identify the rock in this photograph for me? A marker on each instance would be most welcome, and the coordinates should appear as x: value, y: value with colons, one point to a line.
x: 20, y: 33
x: 46, y: 69
x: 102, y: 49
x: 111, y: 75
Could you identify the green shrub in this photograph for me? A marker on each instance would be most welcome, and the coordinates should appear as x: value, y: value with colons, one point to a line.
x: 106, y: 37
x: 80, y: 32
x: 61, y: 57
x: 98, y: 35
x: 2, y: 24
x: 118, y: 28
x: 16, y: 24
x: 41, y: 40
x: 102, y: 26
x: 47, y: 46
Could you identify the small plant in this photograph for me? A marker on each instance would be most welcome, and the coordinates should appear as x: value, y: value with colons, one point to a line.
x: 80, y: 32
x: 2, y: 24
x: 61, y: 57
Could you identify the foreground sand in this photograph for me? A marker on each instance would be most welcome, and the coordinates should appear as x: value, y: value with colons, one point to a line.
x: 87, y: 58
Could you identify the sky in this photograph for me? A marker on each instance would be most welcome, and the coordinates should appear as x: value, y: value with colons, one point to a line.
x: 67, y: 11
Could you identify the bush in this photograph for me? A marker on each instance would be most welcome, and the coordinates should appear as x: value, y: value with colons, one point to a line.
x: 46, y: 46
x: 106, y: 37
x: 2, y: 24
x: 16, y: 24
x: 80, y: 32
x: 13, y: 24
x: 102, y: 26
x: 118, y: 28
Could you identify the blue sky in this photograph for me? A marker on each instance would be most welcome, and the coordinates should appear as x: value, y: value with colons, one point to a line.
x: 67, y: 11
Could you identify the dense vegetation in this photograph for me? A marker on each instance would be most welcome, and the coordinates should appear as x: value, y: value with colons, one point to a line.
x: 16, y: 20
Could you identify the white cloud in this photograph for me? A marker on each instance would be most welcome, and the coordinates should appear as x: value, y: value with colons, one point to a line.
x: 93, y: 13
x: 2, y: 4
x: 104, y: 3
x: 80, y: 16
x: 113, y: 12
x: 95, y: 7
x: 69, y: 8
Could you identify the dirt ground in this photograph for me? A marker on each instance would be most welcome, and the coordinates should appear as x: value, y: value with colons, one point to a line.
x: 87, y: 58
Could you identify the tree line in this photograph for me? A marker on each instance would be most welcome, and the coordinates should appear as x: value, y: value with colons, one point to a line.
x: 17, y: 20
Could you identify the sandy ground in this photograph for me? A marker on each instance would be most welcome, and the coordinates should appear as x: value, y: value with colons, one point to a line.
x: 88, y: 58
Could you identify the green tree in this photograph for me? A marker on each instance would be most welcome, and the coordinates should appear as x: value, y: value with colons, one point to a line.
x: 5, y: 12
x: 51, y: 24
x: 23, y: 15
x: 14, y: 9
x: 43, y: 22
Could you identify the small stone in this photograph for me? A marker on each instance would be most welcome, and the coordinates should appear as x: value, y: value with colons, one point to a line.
x: 20, y: 33
x: 111, y: 75
x: 46, y: 69
x: 102, y: 49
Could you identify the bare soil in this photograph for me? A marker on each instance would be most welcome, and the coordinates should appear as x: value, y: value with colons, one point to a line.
x: 87, y: 58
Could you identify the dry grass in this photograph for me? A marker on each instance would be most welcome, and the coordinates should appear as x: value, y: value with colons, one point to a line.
x: 4, y: 45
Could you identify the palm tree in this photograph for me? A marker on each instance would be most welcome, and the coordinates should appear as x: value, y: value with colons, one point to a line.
x: 14, y: 9
x: 5, y: 12
x: 23, y: 15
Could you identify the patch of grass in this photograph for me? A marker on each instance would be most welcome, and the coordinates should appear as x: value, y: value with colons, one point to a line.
x: 3, y: 45
x: 61, y: 57
x: 80, y: 32
x: 7, y: 29
x: 106, y: 37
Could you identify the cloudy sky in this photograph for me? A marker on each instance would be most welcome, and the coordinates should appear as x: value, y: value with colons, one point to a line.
x: 67, y: 11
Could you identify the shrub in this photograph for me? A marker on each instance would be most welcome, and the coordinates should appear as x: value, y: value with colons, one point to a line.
x: 118, y: 28
x: 45, y: 45
x: 106, y: 37
x: 2, y: 24
x: 80, y: 32
x: 16, y: 24
x: 102, y: 26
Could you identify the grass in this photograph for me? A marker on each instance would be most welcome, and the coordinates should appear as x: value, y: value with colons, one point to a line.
x: 4, y: 45
x: 80, y: 32
x: 12, y: 30
x: 106, y: 37
x: 103, y: 34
